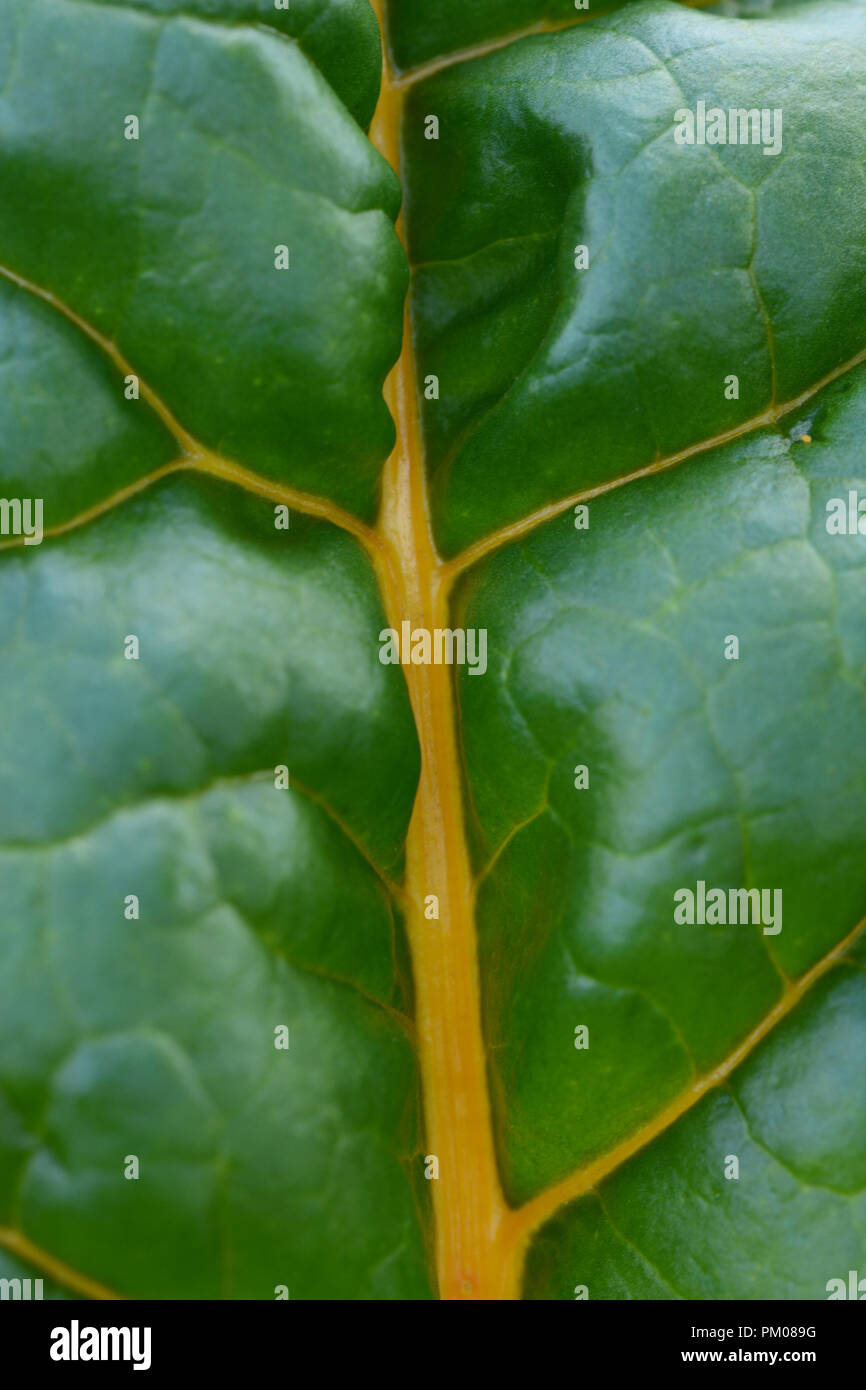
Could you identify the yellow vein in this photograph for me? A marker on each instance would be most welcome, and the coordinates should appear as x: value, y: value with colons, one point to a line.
x: 409, y: 76
x: 306, y: 502
x: 47, y: 1264
x: 516, y: 529
x: 393, y: 888
x: 111, y: 350
x: 480, y: 1241
x: 470, y: 1211
x: 535, y: 1212
x: 195, y: 455
x: 106, y: 505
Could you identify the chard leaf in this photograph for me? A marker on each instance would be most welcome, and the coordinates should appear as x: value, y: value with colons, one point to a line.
x: 323, y: 979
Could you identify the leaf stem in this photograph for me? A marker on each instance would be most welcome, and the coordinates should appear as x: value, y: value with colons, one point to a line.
x: 471, y: 1214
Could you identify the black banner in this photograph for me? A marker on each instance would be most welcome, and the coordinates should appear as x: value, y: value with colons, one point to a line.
x: 154, y: 1339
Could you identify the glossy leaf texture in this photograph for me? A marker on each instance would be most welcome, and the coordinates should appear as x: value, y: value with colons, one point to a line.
x: 170, y: 383
x: 340, y: 38
x: 12, y: 1269
x: 705, y: 260
x: 421, y: 34
x: 259, y: 908
x: 166, y: 244
x: 608, y: 643
x: 609, y: 654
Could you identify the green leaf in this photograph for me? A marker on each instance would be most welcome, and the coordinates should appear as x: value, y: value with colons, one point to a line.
x: 259, y: 907
x: 607, y: 650
x: 555, y: 379
x: 341, y: 38
x: 422, y: 32
x: 607, y: 644
x: 13, y: 1269
x: 287, y: 931
x: 165, y: 245
x: 668, y: 1224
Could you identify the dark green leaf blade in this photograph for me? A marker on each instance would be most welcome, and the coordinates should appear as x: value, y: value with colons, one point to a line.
x: 167, y: 245
x: 554, y: 378
x: 154, y: 1036
x: 339, y: 36
x: 607, y: 651
x: 790, y: 1226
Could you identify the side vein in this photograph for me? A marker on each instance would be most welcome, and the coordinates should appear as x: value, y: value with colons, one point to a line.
x: 18, y: 1244
x: 196, y: 457
x: 526, y: 1219
x: 515, y: 529
x: 409, y: 76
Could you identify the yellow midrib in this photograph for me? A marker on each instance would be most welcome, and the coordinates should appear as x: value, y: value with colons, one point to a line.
x: 470, y: 1211
x: 480, y: 1240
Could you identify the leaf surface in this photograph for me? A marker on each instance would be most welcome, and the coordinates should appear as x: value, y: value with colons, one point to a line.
x: 696, y: 252
x: 259, y: 908
x: 242, y: 514
x: 608, y: 652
